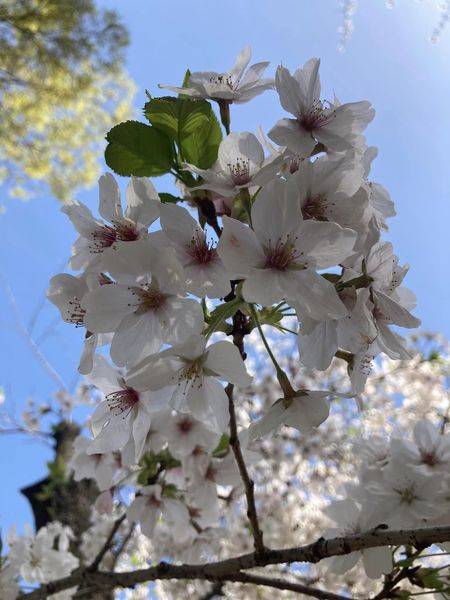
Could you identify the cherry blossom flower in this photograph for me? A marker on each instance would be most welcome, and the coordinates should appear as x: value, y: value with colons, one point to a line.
x: 8, y: 582
x: 191, y: 370
x: 202, y: 487
x: 307, y: 409
x: 97, y: 237
x: 279, y: 257
x: 184, y: 434
x: 155, y: 440
x: 44, y: 556
x: 151, y: 504
x: 145, y: 308
x: 335, y: 126
x: 430, y: 451
x: 380, y: 203
x: 99, y: 467
x: 318, y: 341
x: 240, y: 165
x: 203, y: 269
x: 125, y: 412
x: 351, y: 520
x: 232, y: 86
x: 66, y: 292
x: 330, y: 190
x: 405, y: 497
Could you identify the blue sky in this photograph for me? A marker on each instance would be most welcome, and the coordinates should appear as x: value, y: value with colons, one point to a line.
x: 389, y: 61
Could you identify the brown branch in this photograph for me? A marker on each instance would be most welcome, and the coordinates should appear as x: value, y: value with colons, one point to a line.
x: 208, y: 210
x: 123, y: 544
x: 107, y: 545
x: 216, y: 590
x: 279, y: 584
x: 231, y: 567
x: 248, y: 482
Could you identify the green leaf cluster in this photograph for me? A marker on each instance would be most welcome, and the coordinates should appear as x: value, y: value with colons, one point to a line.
x: 181, y: 130
x: 190, y: 124
x: 151, y: 464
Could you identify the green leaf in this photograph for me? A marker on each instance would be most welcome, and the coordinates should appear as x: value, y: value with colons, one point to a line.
x: 186, y: 78
x: 223, y: 447
x: 137, y: 149
x: 169, y: 491
x: 201, y: 147
x: 429, y: 578
x: 166, y: 460
x: 191, y: 124
x: 221, y: 313
x: 149, y: 468
x: 169, y: 198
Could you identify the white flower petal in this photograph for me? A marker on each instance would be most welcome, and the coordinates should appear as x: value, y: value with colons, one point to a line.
x: 109, y: 207
x: 238, y: 247
x: 223, y: 358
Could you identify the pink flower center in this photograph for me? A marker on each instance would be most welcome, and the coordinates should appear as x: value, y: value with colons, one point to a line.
x: 153, y: 501
x: 185, y: 425
x: 317, y: 208
x: 316, y: 117
x: 201, y: 250
x: 281, y: 255
x: 240, y: 171
x: 105, y: 236
x: 122, y: 402
x: 430, y: 459
x: 148, y: 298
x: 211, y: 473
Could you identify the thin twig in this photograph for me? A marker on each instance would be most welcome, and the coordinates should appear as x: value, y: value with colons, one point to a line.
x: 30, y: 341
x: 106, y: 546
x: 123, y: 544
x: 248, y: 482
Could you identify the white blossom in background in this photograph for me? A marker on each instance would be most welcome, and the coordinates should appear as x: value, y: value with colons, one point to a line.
x: 147, y: 508
x: 351, y: 520
x: 44, y: 556
x: 99, y: 467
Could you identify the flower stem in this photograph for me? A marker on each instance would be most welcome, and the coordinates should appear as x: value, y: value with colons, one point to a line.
x: 224, y: 106
x: 283, y: 379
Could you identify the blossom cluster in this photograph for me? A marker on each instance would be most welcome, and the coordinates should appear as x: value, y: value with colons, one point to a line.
x: 402, y: 484
x: 53, y: 553
x: 298, y: 473
x: 282, y: 234
x: 147, y: 270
